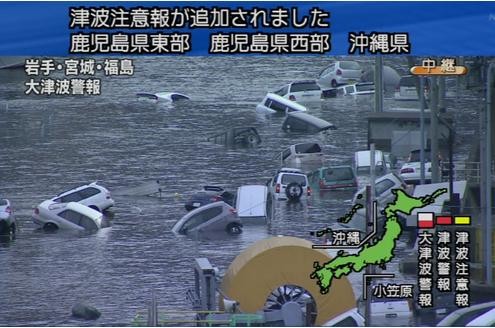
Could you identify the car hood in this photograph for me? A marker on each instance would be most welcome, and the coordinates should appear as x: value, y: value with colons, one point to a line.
x: 415, y: 165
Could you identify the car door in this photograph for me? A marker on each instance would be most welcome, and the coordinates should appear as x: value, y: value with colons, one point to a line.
x: 70, y: 219
x: 212, y: 219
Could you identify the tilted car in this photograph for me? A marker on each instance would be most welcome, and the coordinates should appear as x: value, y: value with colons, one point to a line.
x: 301, y: 91
x: 340, y: 72
x: 274, y: 103
x: 334, y: 178
x: 73, y: 216
x: 92, y: 195
x: 217, y: 216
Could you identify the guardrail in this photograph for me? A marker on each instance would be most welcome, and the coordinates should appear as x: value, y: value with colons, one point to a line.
x: 464, y: 171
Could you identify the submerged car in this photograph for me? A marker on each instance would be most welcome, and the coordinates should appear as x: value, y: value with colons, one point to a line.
x: 209, y: 194
x: 168, y: 96
x: 302, y: 153
x: 479, y: 315
x: 274, y: 103
x: 406, y: 90
x: 411, y: 171
x: 93, y: 195
x: 289, y: 184
x: 363, y: 88
x: 340, y: 72
x: 362, y: 162
x: 218, y: 216
x: 304, y: 123
x: 8, y: 223
x: 241, y: 136
x: 334, y: 178
x: 383, y: 190
x: 301, y: 91
x: 74, y: 216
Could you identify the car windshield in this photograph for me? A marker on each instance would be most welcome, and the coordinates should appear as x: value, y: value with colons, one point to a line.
x: 305, y: 86
x: 349, y: 65
x: 297, y: 178
x: 308, y: 148
x: 365, y: 87
x: 340, y: 173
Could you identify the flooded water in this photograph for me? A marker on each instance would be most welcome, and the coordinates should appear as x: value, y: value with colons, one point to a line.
x: 51, y: 144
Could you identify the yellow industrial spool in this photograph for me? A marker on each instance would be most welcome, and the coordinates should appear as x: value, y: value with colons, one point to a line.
x: 279, y: 261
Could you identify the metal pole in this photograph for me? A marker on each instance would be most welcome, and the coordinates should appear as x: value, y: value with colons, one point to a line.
x: 372, y: 172
x: 451, y: 168
x: 488, y: 178
x: 378, y: 84
x: 369, y: 209
x: 422, y: 128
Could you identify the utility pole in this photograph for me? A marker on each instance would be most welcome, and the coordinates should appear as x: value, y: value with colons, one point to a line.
x: 434, y: 130
x: 378, y: 84
x: 487, y: 179
x: 370, y: 198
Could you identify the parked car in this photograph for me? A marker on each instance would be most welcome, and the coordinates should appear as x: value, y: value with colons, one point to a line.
x: 383, y: 190
x: 302, y: 153
x: 406, y: 90
x: 208, y: 195
x: 480, y: 315
x: 301, y: 91
x: 362, y: 88
x: 75, y: 216
x: 340, y: 72
x: 411, y: 171
x: 351, y: 318
x: 305, y: 123
x: 362, y: 162
x: 168, y: 96
x: 8, y: 223
x: 240, y: 136
x: 334, y: 178
x: 253, y: 203
x: 217, y: 216
x: 93, y: 195
x: 274, y: 103
x: 289, y: 184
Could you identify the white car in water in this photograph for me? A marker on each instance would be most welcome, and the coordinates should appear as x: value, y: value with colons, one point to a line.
x: 301, y: 91
x: 92, y: 195
x: 8, y: 223
x: 274, y: 103
x: 340, y: 72
x: 72, y: 216
x: 289, y: 184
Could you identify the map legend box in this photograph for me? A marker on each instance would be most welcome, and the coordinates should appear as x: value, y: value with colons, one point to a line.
x: 462, y: 220
x: 425, y: 220
x: 444, y: 220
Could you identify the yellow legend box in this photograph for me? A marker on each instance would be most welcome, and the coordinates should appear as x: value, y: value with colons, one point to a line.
x: 465, y: 220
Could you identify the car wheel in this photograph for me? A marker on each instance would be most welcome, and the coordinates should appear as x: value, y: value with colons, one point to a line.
x: 234, y: 229
x: 334, y: 83
x: 95, y: 208
x: 293, y: 191
x: 49, y: 227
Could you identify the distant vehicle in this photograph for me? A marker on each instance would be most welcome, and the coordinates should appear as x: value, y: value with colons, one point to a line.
x: 92, y: 195
x: 208, y: 195
x: 302, y: 153
x: 274, y: 103
x: 383, y: 190
x: 390, y: 308
x: 168, y: 96
x: 340, y: 72
x: 406, y: 90
x: 217, y: 216
x: 8, y: 223
x: 411, y: 171
x: 301, y: 91
x: 480, y: 315
x: 73, y: 216
x: 305, y: 123
x: 289, y: 184
x: 252, y: 203
x: 241, y: 136
x: 362, y: 162
x: 363, y: 88
x: 350, y: 318
x: 334, y: 178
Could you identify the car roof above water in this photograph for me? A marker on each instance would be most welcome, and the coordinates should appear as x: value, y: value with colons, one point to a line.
x: 313, y: 120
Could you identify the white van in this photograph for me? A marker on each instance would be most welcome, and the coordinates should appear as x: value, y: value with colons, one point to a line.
x: 273, y: 103
x: 302, y: 153
x: 362, y: 162
x: 252, y: 203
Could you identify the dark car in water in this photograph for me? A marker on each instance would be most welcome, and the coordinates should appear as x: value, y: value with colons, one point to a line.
x: 209, y: 194
x: 241, y: 136
x: 301, y: 122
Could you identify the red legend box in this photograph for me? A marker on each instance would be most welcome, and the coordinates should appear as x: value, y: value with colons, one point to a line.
x: 445, y: 220
x: 425, y: 220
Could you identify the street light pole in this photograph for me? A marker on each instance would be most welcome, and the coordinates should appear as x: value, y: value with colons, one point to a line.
x: 422, y: 128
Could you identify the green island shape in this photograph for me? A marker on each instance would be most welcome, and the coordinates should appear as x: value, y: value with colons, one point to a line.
x: 380, y: 252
